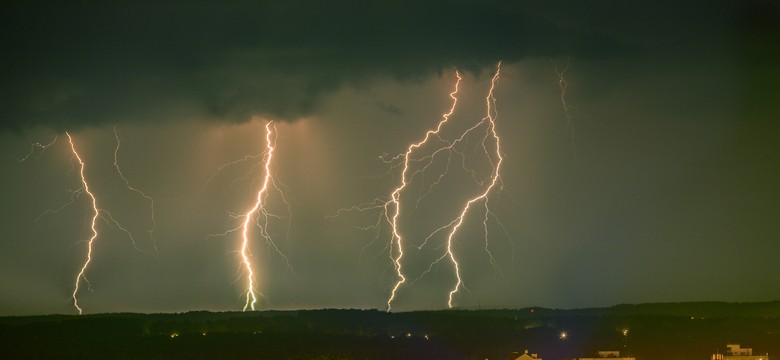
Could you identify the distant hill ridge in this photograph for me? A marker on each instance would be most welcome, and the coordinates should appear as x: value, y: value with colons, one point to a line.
x: 699, y: 309
x: 706, y: 309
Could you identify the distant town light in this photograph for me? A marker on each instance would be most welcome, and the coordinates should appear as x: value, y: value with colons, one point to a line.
x: 564, y: 335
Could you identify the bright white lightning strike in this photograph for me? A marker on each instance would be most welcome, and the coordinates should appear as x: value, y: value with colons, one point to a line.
x: 391, y: 208
x: 258, y: 215
x: 96, y: 213
x: 93, y: 225
x: 396, y: 195
x: 491, y: 119
x: 251, y: 297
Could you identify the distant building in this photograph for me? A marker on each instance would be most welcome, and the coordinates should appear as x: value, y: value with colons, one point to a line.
x: 736, y: 352
x: 614, y: 355
x: 524, y: 356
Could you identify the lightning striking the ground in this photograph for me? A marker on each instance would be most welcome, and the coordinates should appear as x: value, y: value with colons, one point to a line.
x: 490, y: 122
x: 396, y: 195
x: 96, y: 212
x: 391, y: 208
x: 258, y: 215
x: 251, y: 297
x: 93, y: 225
x: 490, y: 117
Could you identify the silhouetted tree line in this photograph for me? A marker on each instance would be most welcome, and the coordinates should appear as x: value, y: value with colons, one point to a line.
x: 648, y: 332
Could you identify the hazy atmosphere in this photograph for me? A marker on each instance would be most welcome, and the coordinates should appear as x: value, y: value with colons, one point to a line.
x: 638, y: 146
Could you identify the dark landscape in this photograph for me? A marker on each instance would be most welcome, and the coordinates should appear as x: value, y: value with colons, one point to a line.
x: 669, y: 331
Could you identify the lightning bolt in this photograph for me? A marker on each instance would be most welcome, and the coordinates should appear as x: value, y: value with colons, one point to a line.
x: 258, y: 215
x: 96, y: 213
x: 226, y: 165
x: 93, y: 225
x: 148, y: 198
x: 391, y: 207
x: 454, y: 225
x: 395, y: 197
x: 563, y: 85
x: 569, y: 111
x: 37, y: 149
x: 490, y: 117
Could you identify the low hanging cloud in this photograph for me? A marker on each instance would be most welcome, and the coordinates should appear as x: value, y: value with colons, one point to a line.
x: 69, y: 65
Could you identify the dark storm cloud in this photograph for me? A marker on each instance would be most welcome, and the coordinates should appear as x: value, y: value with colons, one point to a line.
x: 69, y: 64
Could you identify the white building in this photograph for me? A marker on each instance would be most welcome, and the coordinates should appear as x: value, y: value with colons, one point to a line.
x: 524, y: 356
x: 736, y: 352
x: 614, y: 355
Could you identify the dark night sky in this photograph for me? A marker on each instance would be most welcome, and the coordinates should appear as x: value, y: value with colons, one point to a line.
x: 668, y: 192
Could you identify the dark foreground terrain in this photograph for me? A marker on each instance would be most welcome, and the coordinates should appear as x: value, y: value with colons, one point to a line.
x: 648, y: 331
